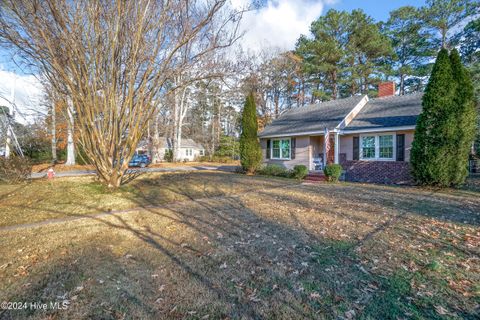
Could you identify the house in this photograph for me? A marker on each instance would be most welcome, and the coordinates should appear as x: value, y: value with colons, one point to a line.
x: 370, y: 138
x: 189, y: 149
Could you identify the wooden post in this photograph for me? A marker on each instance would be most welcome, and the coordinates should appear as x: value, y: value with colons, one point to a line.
x: 336, y: 148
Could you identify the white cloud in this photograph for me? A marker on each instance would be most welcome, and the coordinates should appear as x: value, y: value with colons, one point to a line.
x: 279, y: 23
x: 28, y: 95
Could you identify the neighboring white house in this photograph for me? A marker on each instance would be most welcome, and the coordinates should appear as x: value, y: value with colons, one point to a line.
x: 189, y: 149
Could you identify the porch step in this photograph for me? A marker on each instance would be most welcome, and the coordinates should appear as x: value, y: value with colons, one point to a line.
x: 315, y: 177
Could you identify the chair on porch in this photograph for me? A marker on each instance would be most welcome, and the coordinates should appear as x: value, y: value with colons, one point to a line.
x: 318, y: 163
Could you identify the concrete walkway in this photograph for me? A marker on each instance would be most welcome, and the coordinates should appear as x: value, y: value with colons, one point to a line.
x: 180, y: 168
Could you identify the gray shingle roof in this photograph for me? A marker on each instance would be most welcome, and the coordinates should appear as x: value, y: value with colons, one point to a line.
x: 189, y: 143
x: 310, y: 118
x: 185, y: 143
x: 387, y: 112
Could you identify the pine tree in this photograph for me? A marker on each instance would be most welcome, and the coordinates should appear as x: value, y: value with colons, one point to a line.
x: 445, y: 15
x: 368, y: 49
x: 323, y: 55
x: 431, y: 149
x: 412, y: 46
x: 250, y: 152
x: 466, y: 120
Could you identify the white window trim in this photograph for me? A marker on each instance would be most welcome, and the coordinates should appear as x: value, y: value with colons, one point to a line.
x: 271, y: 149
x: 377, y: 146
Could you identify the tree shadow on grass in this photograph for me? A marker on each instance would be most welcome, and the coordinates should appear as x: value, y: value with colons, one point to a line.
x: 93, y: 283
x: 399, y: 212
x: 417, y: 201
x: 153, y: 191
x: 225, y: 259
x: 270, y: 270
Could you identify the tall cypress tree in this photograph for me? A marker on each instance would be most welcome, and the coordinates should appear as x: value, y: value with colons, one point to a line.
x: 466, y: 120
x: 250, y: 152
x: 431, y: 149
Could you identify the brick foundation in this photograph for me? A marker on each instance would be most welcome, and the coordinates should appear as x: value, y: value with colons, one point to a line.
x: 387, y: 172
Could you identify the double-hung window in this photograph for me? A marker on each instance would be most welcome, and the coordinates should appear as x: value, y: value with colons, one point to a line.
x: 368, y: 147
x: 385, y: 147
x: 377, y: 147
x: 281, y: 149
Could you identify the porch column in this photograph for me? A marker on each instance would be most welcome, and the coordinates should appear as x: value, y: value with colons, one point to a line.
x: 325, y: 136
x: 336, y: 148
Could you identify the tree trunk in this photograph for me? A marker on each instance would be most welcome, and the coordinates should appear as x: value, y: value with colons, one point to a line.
x: 8, y: 141
x: 444, y: 37
x: 277, y: 102
x: 54, y: 134
x: 334, y: 85
x: 303, y: 93
x: 212, y: 147
x: 175, y: 146
x: 402, y: 84
x: 156, y: 142
x: 9, y: 136
x: 179, y: 114
x: 365, y: 85
x: 177, y: 142
x: 70, y: 130
x: 10, y: 117
x: 148, y: 130
x: 115, y: 180
x: 219, y: 120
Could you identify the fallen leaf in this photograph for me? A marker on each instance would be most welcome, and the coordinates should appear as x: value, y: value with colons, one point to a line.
x: 350, y: 314
x: 441, y: 310
x: 314, y: 295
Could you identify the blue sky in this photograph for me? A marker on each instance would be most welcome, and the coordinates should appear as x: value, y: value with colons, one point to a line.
x: 379, y: 10
x: 279, y: 23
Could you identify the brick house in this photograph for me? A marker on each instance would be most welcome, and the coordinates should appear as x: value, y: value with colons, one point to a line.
x: 370, y: 138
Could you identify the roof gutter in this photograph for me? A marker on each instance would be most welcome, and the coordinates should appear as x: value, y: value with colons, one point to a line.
x: 369, y: 130
x: 306, y: 133
x: 341, y: 132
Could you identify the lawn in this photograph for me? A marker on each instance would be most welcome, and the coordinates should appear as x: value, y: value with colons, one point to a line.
x: 61, y: 167
x: 210, y: 245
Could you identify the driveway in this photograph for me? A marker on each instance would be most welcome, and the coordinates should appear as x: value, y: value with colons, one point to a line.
x: 76, y: 173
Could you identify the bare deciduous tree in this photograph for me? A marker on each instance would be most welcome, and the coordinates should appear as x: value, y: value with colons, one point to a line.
x: 189, y: 74
x: 113, y: 58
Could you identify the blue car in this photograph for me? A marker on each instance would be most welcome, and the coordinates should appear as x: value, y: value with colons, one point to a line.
x: 139, y: 160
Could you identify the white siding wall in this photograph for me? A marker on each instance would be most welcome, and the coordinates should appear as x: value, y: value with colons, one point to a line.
x: 184, y: 155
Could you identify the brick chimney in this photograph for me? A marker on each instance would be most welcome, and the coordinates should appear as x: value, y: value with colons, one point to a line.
x: 386, y: 89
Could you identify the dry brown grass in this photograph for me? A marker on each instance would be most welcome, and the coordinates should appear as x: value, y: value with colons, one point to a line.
x: 192, y: 164
x: 72, y: 197
x: 255, y: 248
x: 60, y: 167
